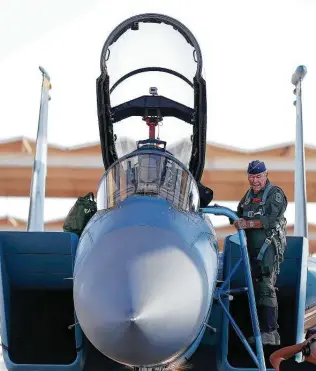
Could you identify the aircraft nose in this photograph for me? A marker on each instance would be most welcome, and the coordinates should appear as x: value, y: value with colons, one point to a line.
x: 141, y: 295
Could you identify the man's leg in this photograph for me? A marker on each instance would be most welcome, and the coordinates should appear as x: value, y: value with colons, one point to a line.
x: 265, y: 274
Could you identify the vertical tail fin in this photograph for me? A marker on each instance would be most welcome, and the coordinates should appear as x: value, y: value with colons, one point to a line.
x: 38, y: 184
x: 300, y: 198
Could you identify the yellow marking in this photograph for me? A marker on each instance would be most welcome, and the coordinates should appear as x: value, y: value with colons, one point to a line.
x: 46, y: 83
x: 27, y: 146
x: 13, y: 222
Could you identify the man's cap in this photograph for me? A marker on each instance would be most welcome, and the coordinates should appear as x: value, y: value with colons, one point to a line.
x: 256, y: 167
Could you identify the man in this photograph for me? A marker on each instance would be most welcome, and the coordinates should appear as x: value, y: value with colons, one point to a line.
x: 282, y: 358
x: 261, y: 215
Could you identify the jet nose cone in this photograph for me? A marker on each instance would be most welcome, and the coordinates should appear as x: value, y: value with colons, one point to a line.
x: 141, y: 295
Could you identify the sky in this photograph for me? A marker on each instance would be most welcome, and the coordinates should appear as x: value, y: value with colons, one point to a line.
x: 250, y: 51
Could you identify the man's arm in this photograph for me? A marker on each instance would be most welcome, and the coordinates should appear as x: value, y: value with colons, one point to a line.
x: 276, y: 204
x: 242, y: 223
x: 239, y: 209
x: 282, y: 354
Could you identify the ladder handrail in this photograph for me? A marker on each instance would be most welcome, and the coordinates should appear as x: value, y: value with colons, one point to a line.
x: 259, y: 359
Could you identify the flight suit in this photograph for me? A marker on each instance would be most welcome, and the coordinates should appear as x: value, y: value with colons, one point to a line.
x: 265, y: 248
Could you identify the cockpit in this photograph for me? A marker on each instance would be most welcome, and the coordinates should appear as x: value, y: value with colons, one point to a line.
x: 151, y: 87
x: 151, y: 173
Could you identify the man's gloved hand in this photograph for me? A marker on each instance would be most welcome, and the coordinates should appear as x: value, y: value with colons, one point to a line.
x: 245, y: 224
x: 241, y: 223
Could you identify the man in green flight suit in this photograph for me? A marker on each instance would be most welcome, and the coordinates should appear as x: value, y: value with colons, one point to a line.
x: 261, y: 215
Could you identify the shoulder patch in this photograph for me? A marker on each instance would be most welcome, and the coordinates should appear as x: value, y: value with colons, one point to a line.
x: 278, y: 197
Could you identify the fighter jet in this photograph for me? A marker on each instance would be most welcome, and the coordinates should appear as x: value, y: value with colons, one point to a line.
x: 145, y: 286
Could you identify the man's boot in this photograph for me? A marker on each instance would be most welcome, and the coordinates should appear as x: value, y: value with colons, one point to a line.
x: 267, y: 338
x: 277, y: 338
x: 268, y: 321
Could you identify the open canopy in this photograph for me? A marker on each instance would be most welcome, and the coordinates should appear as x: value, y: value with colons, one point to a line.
x: 151, y: 87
